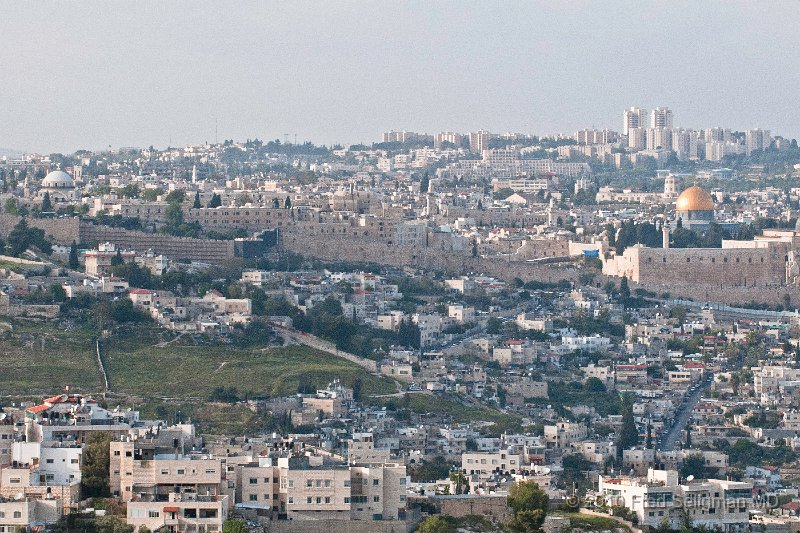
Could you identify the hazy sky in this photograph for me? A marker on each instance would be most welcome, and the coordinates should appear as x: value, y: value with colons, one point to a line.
x: 92, y: 74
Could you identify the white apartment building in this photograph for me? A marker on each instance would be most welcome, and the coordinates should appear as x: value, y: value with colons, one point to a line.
x: 757, y: 139
x: 563, y: 434
x: 485, y: 463
x: 661, y: 118
x: 633, y: 117
x: 181, y: 513
x: 716, y: 504
x: 461, y: 314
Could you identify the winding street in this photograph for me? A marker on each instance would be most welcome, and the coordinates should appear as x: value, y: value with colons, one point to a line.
x: 667, y: 442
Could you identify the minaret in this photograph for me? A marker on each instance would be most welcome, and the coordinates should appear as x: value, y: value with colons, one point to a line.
x: 670, y: 186
x: 665, y: 236
x: 194, y: 173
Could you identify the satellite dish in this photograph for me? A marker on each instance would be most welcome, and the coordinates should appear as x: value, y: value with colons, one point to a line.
x: 690, y: 478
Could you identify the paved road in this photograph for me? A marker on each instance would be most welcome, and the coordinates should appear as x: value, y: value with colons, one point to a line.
x: 682, y: 418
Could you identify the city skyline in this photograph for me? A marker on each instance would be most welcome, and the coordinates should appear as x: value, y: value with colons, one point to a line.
x: 344, y: 74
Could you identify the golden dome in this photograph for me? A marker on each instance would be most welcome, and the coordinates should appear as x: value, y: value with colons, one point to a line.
x: 694, y: 199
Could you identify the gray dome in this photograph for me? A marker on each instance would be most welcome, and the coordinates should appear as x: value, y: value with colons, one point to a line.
x: 58, y: 179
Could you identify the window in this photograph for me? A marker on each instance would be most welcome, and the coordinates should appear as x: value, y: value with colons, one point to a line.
x: 181, y: 471
x: 346, y: 482
x: 375, y: 482
x: 291, y: 483
x: 153, y: 514
x: 347, y: 499
x: 291, y: 499
x: 164, y: 472
x: 116, y: 453
x: 327, y: 482
x: 128, y: 454
x: 254, y: 497
x: 327, y: 499
x: 376, y: 499
x: 319, y: 499
x: 308, y: 500
x: 319, y: 483
x: 253, y: 480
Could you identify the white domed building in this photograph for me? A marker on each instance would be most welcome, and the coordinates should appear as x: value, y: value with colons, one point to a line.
x: 60, y: 185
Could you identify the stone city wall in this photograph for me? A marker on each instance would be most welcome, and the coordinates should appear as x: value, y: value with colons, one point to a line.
x: 209, y: 251
x: 736, y: 296
x: 494, y: 508
x: 720, y: 267
x: 58, y: 230
x: 343, y: 248
x: 340, y: 526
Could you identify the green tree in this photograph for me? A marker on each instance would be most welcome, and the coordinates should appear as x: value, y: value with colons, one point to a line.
x: 435, y: 524
x: 23, y: 237
x: 73, y: 256
x: 624, y: 289
x: 47, y: 204
x: 57, y: 293
x: 461, y: 481
x: 196, y: 204
x: 694, y: 465
x: 216, y: 201
x: 502, y: 194
x: 287, y: 203
x: 494, y: 325
x: 175, y: 197
x: 174, y: 215
x: 423, y: 183
x: 11, y: 206
x: 130, y: 191
x: 408, y: 334
x: 95, y: 467
x: 117, y: 259
x: 594, y: 385
x: 358, y: 385
x: 529, y: 504
x: 276, y: 203
x: 234, y: 526
x: 628, y: 434
x: 111, y: 524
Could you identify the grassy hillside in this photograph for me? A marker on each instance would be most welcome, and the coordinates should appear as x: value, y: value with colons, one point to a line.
x: 39, y: 359
x: 142, y: 367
